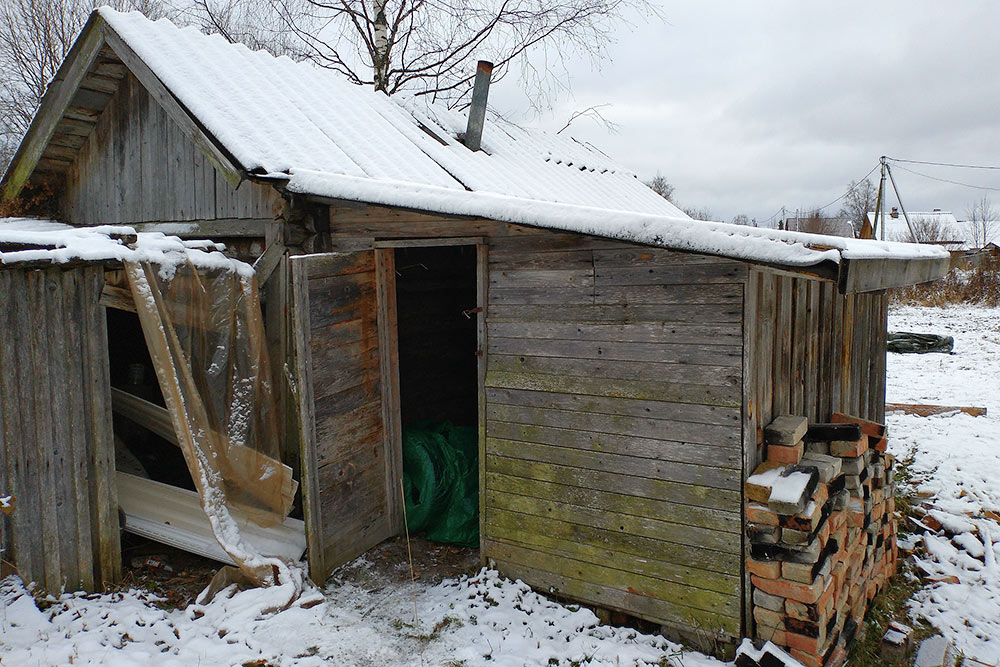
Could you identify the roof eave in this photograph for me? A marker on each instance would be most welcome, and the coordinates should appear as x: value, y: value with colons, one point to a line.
x: 95, y: 34
x: 870, y: 275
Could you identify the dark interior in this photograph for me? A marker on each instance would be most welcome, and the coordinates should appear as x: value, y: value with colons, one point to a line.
x: 132, y: 371
x: 435, y: 304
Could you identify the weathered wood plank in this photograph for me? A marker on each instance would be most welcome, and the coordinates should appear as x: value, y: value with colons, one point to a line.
x: 713, y: 376
x: 76, y: 424
x: 104, y: 495
x: 643, y: 427
x: 680, y: 353
x: 64, y: 384
x: 664, y: 450
x: 388, y: 343
x: 549, y: 278
x: 624, y: 464
x: 651, y: 561
x: 644, y: 332
x: 615, y: 313
x: 689, y: 412
x: 722, y: 396
x: 673, y: 274
x: 669, y: 294
x: 44, y: 445
x: 698, y: 598
x: 699, y: 499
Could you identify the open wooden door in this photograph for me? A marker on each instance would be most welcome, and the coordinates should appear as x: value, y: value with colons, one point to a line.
x: 350, y: 459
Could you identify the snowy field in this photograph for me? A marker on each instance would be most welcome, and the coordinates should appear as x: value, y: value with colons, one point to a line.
x: 956, y: 461
x: 486, y: 620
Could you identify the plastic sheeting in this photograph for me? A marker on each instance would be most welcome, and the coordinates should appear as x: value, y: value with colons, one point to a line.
x: 205, y: 335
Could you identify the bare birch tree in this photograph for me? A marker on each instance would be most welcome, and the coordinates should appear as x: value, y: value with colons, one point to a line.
x: 984, y: 223
x: 430, y: 46
x: 859, y: 201
x: 35, y: 36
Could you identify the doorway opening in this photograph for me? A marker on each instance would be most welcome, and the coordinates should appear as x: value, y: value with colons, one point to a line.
x: 437, y: 339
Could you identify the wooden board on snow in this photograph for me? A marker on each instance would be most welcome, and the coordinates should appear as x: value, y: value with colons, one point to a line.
x: 174, y: 516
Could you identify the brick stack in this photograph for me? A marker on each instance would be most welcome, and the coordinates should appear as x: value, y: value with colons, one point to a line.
x: 822, y: 539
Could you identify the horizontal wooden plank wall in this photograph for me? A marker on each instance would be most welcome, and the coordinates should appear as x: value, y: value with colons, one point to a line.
x: 55, y: 429
x: 613, y: 440
x: 815, y: 351
x: 137, y: 166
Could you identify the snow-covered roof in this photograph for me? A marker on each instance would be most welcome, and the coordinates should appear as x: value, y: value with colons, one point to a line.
x: 274, y: 118
x: 32, y: 240
x: 942, y: 224
x: 278, y: 117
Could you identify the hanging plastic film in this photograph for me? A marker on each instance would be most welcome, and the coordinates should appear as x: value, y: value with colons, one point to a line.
x: 205, y: 336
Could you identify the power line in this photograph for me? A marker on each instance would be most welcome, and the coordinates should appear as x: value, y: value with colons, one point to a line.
x: 946, y: 180
x: 943, y: 164
x: 851, y: 189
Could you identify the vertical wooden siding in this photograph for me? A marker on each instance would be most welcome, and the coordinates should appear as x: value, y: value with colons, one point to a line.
x: 138, y: 166
x: 613, y: 441
x: 56, y: 446
x: 814, y: 351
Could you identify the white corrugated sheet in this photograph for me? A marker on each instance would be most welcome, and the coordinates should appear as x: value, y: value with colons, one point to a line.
x: 35, y: 240
x: 328, y: 137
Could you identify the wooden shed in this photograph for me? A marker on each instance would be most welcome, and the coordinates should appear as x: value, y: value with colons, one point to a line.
x: 618, y: 358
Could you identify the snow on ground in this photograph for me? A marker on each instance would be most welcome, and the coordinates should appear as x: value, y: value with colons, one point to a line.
x: 487, y: 620
x: 484, y: 619
x: 956, y: 460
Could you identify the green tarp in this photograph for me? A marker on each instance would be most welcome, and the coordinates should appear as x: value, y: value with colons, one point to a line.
x: 918, y: 343
x: 441, y: 482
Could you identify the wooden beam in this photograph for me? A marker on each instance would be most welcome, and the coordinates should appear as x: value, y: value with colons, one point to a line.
x: 117, y: 298
x: 54, y: 104
x: 208, y: 229
x: 926, y: 410
x: 870, y: 275
x: 268, y: 261
x: 430, y: 243
x: 224, y: 163
x: 146, y: 414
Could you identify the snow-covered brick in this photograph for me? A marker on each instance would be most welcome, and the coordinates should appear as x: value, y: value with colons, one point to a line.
x: 791, y: 490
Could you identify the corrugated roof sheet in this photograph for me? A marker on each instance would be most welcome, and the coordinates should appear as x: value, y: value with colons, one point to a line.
x: 276, y: 116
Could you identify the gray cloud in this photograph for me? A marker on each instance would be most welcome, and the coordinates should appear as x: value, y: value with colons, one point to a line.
x: 745, y: 107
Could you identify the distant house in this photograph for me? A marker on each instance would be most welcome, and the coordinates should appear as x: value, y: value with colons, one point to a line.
x: 619, y: 359
x: 935, y: 227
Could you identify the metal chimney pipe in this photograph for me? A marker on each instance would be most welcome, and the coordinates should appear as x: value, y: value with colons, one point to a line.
x: 477, y: 112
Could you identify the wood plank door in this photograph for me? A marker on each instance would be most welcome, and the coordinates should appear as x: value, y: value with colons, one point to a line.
x: 350, y: 462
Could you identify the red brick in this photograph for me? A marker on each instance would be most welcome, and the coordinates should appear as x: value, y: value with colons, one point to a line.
x: 810, y: 645
x: 849, y: 448
x: 867, y: 427
x: 824, y: 534
x: 768, y: 569
x: 807, y: 659
x: 837, y: 657
x: 760, y: 514
x: 878, y: 444
x: 770, y: 634
x: 807, y: 593
x: 786, y: 454
x: 771, y: 619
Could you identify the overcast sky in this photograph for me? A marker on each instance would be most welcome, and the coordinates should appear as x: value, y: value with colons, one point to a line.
x: 745, y: 107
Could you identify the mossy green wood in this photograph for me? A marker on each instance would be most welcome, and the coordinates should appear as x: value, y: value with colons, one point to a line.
x: 653, y: 528
x: 601, y: 548
x: 587, y: 584
x: 699, y: 499
x: 719, y: 520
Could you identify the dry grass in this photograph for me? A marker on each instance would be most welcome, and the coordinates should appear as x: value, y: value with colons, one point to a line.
x: 979, y: 286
